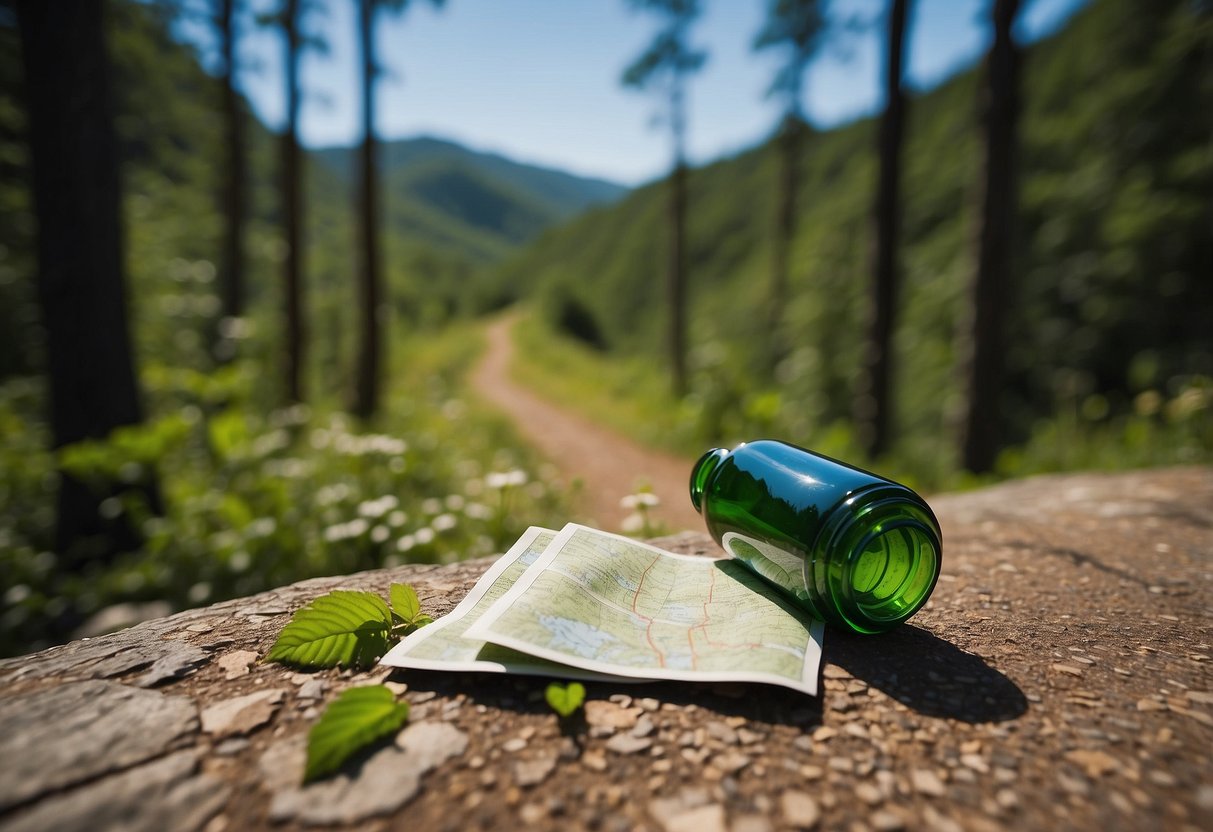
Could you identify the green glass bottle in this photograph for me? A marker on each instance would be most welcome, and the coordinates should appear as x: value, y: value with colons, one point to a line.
x: 856, y: 550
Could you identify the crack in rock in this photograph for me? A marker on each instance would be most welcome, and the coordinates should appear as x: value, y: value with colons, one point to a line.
x: 164, y: 794
x: 55, y: 738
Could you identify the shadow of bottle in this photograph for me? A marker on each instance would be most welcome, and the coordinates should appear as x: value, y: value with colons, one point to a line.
x: 927, y: 674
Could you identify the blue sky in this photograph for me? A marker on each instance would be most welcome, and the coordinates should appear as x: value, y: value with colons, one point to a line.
x: 538, y: 80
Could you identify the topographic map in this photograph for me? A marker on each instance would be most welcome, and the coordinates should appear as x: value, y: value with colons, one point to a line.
x: 606, y: 604
x: 443, y: 645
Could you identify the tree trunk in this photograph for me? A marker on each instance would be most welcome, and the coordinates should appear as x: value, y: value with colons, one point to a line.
x: 370, y: 295
x: 292, y: 210
x: 234, y: 181
x: 982, y: 344
x: 874, y: 402
x: 80, y: 281
x: 676, y: 277
x: 785, y: 229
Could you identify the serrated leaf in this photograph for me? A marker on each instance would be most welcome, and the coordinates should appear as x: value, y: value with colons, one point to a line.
x: 343, y: 628
x: 357, y: 717
x: 565, y: 699
x: 404, y: 601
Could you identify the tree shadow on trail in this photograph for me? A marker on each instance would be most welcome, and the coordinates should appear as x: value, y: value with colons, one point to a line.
x: 927, y: 674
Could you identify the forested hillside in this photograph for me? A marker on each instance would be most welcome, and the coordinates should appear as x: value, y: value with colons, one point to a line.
x: 448, y: 211
x: 481, y: 204
x: 1112, y: 296
x: 245, y: 487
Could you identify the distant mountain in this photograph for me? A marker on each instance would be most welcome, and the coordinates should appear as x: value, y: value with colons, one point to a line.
x: 477, y: 204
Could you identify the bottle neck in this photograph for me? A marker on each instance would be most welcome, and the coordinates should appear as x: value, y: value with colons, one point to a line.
x: 702, y: 473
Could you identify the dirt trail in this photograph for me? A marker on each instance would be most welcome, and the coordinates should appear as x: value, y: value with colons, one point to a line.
x: 609, y: 465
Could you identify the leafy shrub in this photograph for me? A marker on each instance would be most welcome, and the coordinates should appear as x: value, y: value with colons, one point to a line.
x: 255, y: 501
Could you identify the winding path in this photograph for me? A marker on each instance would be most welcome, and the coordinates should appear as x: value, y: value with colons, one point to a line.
x: 609, y: 465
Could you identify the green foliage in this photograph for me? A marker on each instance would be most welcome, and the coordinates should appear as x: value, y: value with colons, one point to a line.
x: 625, y: 391
x: 796, y: 28
x: 256, y: 498
x: 1112, y: 297
x: 342, y: 628
x: 404, y: 601
x: 358, y: 717
x: 670, y: 54
x: 406, y: 608
x: 565, y: 699
x: 348, y: 629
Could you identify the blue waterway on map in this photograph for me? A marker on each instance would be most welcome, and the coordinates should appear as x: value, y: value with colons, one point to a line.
x: 579, y: 637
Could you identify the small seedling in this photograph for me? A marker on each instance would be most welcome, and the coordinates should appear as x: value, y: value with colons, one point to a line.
x: 565, y: 700
x: 348, y: 629
x: 406, y: 609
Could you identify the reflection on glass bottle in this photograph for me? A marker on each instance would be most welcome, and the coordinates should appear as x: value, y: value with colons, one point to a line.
x: 855, y: 549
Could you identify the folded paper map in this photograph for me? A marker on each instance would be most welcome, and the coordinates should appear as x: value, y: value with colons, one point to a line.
x: 583, y: 603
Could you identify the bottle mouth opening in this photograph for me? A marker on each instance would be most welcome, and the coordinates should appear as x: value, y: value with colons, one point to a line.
x: 894, y: 571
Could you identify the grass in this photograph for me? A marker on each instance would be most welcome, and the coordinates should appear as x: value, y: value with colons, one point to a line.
x: 1166, y: 426
x: 627, y: 394
x: 256, y: 499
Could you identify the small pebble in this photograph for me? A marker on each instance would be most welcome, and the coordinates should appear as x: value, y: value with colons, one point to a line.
x: 799, y: 809
x: 927, y: 782
x: 886, y: 821
x: 627, y: 744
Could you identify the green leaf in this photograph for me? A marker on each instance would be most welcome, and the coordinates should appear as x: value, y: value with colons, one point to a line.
x: 342, y: 628
x: 565, y: 699
x: 358, y: 717
x: 404, y: 601
x: 422, y: 620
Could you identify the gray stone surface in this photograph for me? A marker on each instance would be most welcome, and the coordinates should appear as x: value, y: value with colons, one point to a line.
x: 1061, y: 677
x: 53, y: 738
x: 168, y: 793
x: 178, y: 661
x: 241, y: 714
x: 378, y: 785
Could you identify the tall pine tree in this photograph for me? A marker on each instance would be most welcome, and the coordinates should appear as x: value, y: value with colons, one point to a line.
x: 292, y: 204
x: 665, y: 65
x: 983, y: 339
x: 874, y: 401
x: 369, y: 370
x: 232, y: 289
x: 80, y: 277
x: 794, y: 27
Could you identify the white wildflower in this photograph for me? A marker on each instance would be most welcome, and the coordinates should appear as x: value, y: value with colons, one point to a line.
x: 632, y: 523
x: 478, y: 511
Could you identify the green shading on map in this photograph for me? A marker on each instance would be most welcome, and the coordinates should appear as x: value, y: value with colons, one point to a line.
x: 443, y: 645
x: 597, y: 604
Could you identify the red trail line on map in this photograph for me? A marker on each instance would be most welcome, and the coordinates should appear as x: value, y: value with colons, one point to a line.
x: 703, y: 625
x: 648, y: 631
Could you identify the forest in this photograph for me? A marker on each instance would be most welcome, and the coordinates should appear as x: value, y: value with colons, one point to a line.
x: 228, y: 361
